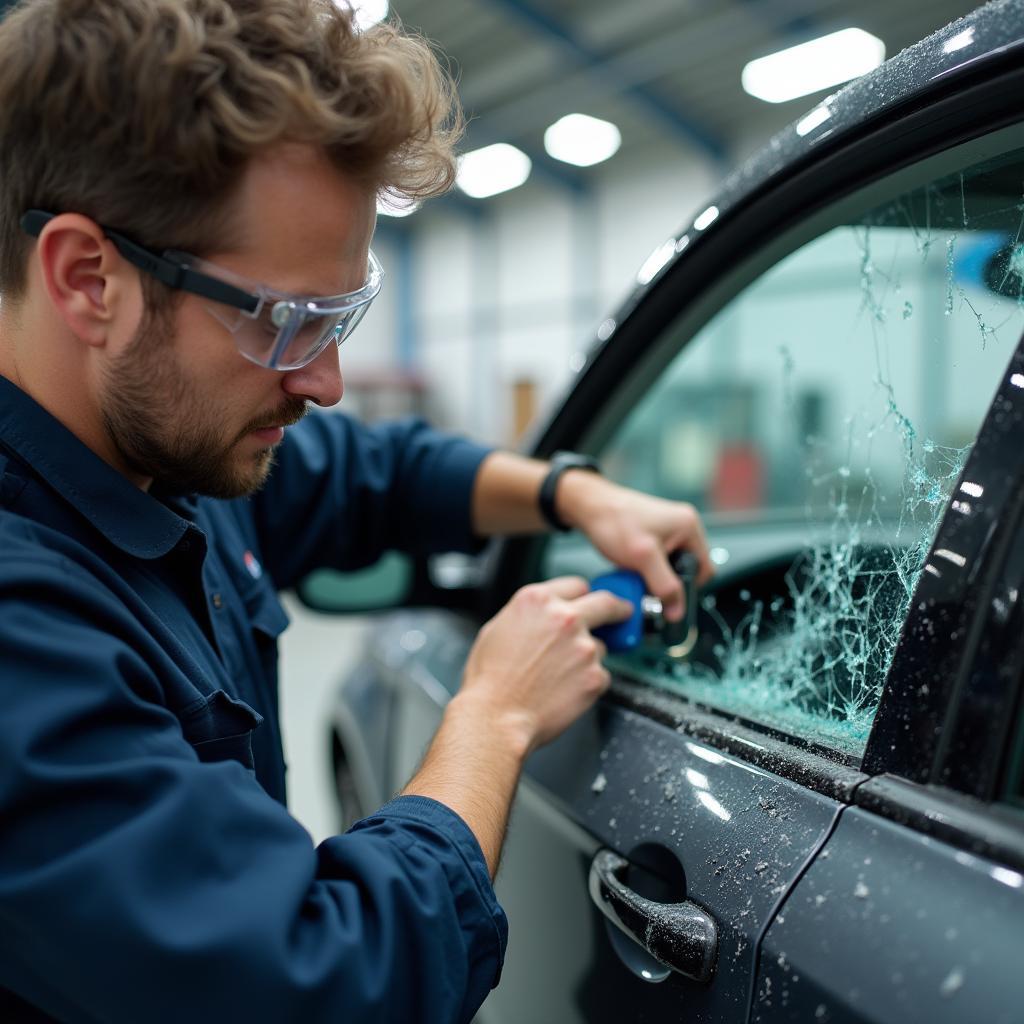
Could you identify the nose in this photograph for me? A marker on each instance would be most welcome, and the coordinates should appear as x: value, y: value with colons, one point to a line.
x: 319, y: 381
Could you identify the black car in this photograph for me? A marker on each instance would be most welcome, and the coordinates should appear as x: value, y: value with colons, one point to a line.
x: 816, y: 812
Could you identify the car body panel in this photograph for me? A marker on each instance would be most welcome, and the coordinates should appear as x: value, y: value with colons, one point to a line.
x: 739, y: 834
x: 360, y: 739
x: 891, y: 926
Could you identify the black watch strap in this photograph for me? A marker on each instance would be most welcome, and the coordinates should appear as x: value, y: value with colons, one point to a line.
x: 560, y: 462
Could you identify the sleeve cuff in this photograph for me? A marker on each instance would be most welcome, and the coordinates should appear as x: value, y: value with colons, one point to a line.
x: 471, y: 886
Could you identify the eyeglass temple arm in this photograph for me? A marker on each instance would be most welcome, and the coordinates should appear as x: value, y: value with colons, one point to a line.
x: 167, y: 272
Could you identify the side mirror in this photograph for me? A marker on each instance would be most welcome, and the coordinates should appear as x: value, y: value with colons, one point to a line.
x: 388, y: 583
x: 394, y: 581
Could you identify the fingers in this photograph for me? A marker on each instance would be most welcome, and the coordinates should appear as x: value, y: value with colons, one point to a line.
x: 662, y: 581
x: 601, y: 607
x: 698, y: 544
x: 566, y: 587
x: 588, y: 608
x: 658, y: 573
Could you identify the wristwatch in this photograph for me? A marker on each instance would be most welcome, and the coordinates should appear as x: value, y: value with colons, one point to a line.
x: 560, y: 462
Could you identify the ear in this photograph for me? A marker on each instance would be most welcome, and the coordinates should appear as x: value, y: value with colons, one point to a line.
x: 87, y: 281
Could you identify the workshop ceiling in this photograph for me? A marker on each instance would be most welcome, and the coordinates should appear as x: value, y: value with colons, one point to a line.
x: 659, y: 69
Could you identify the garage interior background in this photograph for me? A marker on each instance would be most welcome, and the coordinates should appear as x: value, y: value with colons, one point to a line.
x: 489, y: 302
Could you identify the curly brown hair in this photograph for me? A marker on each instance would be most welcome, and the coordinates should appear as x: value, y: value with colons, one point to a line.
x: 142, y: 114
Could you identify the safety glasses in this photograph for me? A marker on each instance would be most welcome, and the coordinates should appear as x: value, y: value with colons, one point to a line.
x: 271, y: 328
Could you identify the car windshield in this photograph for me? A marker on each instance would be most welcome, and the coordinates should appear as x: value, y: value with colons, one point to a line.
x: 820, y: 422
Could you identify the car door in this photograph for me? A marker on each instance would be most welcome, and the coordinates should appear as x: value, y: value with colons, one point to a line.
x: 812, y: 372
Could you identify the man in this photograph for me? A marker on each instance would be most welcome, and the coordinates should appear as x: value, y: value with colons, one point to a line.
x: 187, y: 195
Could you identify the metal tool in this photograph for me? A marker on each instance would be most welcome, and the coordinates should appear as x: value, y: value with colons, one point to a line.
x: 679, y: 637
x: 648, y: 622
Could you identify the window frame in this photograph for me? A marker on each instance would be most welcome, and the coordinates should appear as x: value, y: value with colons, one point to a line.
x: 973, y: 753
x: 960, y: 108
x: 930, y: 705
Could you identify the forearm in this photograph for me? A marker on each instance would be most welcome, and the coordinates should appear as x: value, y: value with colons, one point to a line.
x: 473, y: 767
x: 505, y: 495
x: 507, y: 488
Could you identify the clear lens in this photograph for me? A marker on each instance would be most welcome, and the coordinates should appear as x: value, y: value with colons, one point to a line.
x: 313, y: 335
x: 299, y: 341
x: 287, y: 333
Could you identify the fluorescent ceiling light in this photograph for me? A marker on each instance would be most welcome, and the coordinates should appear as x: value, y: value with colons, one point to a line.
x: 811, y: 67
x: 493, y: 169
x: 365, y: 13
x: 582, y: 140
x: 396, y: 206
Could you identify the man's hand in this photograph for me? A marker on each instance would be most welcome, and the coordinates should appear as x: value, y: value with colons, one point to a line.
x: 536, y: 664
x: 636, y: 531
x: 533, y: 670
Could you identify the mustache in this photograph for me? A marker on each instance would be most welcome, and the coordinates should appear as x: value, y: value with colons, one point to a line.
x: 287, y: 415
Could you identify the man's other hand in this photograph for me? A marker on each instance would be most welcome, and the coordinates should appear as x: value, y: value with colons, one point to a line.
x: 636, y: 531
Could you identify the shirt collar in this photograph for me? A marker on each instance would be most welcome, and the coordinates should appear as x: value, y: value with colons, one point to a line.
x: 128, y: 517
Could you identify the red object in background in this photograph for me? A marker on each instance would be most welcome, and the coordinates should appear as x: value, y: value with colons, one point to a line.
x: 738, y: 483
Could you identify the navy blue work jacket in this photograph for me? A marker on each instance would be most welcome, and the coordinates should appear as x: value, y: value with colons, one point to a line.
x: 149, y: 870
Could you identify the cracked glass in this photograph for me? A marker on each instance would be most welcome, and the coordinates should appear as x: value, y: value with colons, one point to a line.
x: 819, y: 422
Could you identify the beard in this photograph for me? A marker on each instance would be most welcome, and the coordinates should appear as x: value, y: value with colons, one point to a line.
x: 164, y: 429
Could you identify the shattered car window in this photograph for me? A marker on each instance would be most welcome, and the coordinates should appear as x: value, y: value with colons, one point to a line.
x: 820, y: 422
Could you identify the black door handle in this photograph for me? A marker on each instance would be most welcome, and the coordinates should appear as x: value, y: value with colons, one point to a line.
x: 681, y: 936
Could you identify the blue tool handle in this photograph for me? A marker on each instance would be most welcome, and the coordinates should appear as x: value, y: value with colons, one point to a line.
x: 629, y: 585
